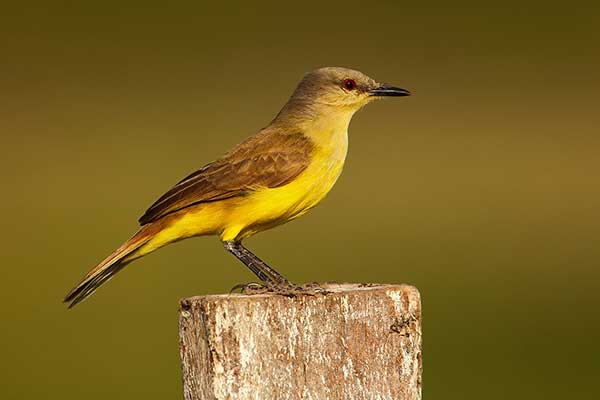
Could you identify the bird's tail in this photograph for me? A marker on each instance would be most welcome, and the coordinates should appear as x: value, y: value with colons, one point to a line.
x: 109, y: 266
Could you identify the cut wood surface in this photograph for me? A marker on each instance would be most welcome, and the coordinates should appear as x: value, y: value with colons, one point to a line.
x: 360, y: 341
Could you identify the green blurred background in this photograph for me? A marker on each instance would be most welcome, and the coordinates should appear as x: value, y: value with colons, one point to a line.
x: 482, y: 189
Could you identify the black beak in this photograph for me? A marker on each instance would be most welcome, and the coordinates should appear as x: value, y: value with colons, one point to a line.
x: 386, y: 90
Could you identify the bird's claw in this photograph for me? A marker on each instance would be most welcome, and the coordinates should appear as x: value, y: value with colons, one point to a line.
x: 250, y: 288
x: 287, y: 289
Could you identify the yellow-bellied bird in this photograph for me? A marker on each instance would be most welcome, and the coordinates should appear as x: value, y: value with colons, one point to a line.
x: 271, y: 178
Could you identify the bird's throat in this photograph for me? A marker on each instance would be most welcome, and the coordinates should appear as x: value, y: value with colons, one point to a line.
x: 329, y: 133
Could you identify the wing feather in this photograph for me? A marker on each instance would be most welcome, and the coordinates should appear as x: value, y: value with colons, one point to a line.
x: 270, y: 159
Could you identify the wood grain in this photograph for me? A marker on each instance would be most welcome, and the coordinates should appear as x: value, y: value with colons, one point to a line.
x: 357, y: 342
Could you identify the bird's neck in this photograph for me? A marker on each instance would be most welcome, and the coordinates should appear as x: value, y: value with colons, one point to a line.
x: 324, y: 124
x: 327, y: 128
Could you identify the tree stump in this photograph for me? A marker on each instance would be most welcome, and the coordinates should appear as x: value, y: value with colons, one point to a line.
x: 360, y: 341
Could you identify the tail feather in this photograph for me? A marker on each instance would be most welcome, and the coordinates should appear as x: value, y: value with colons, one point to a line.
x: 108, y: 267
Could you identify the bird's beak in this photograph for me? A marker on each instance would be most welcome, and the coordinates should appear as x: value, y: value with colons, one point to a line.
x: 386, y: 90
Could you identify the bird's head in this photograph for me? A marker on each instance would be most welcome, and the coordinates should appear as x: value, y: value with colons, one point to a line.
x: 343, y: 88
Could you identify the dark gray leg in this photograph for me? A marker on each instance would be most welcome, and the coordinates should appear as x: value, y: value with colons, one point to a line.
x: 255, y: 264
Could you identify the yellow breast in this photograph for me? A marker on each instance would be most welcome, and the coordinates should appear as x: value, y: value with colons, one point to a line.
x: 266, y: 208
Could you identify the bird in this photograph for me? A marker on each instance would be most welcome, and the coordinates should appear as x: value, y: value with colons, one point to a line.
x: 272, y: 177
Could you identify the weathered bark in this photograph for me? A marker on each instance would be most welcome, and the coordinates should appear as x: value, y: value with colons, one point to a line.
x: 357, y: 342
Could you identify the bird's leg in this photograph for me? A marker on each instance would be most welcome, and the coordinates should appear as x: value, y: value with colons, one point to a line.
x: 272, y: 280
x: 265, y: 273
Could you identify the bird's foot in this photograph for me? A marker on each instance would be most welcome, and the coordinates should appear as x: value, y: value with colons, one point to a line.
x: 286, y: 288
x: 251, y: 288
x: 289, y: 289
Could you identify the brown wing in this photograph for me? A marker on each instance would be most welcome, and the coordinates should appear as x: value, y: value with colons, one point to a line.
x: 268, y: 159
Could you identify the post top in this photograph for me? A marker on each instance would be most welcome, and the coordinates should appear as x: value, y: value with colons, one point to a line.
x: 333, y: 290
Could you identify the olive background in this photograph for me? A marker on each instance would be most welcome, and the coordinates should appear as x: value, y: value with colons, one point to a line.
x: 481, y: 189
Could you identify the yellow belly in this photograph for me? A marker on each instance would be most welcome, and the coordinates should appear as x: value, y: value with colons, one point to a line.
x: 270, y: 207
x: 240, y: 217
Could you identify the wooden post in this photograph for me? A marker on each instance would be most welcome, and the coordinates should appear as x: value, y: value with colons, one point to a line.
x: 357, y: 342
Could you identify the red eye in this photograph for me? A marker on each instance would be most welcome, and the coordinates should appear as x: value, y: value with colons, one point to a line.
x: 349, y: 84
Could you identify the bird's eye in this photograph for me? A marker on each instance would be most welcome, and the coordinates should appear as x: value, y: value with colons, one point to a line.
x: 349, y: 84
